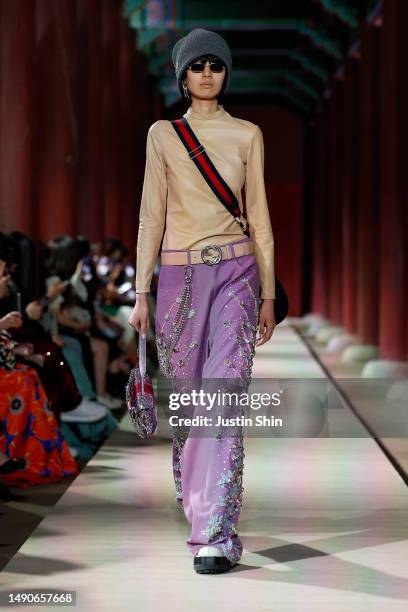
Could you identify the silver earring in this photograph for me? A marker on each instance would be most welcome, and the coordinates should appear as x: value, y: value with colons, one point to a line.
x: 186, y: 94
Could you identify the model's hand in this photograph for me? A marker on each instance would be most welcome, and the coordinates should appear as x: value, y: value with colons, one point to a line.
x: 267, y: 321
x: 139, y: 319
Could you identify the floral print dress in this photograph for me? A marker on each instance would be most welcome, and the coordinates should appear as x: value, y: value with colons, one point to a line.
x: 29, y: 428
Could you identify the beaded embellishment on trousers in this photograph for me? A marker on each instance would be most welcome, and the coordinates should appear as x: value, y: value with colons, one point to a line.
x: 166, y: 345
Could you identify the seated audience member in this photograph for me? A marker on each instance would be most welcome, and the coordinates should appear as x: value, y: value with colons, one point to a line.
x: 31, y: 429
x: 37, y: 349
x: 75, y: 317
x: 41, y: 350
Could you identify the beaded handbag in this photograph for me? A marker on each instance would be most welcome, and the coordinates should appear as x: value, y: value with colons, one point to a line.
x: 140, y: 396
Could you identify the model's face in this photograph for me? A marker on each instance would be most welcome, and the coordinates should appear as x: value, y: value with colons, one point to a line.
x: 205, y: 85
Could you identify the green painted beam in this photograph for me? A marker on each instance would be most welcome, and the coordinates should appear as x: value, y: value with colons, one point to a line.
x: 187, y: 24
x: 296, y: 102
x: 256, y: 78
x: 321, y: 39
x: 310, y: 65
x: 302, y: 86
x: 347, y: 13
x: 160, y: 24
x: 307, y: 63
x: 317, y: 35
x: 160, y: 63
x: 146, y: 39
x: 131, y: 6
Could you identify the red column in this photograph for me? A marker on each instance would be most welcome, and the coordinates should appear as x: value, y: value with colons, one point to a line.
x: 368, y: 295
x: 148, y: 108
x: 132, y: 89
x: 333, y: 229
x: 90, y: 154
x: 56, y: 122
x: 349, y: 203
x: 392, y: 250
x: 110, y: 102
x: 320, y: 274
x: 403, y: 149
x: 318, y: 285
x: 17, y: 40
x: 324, y: 210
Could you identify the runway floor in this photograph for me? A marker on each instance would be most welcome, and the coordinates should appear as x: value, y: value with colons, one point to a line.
x: 324, y: 524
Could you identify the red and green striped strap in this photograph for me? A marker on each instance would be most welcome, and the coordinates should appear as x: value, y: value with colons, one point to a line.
x: 207, y: 169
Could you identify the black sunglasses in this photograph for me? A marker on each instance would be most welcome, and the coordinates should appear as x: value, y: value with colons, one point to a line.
x: 199, y: 66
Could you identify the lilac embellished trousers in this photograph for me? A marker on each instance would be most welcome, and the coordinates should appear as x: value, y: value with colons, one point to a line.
x: 216, y: 340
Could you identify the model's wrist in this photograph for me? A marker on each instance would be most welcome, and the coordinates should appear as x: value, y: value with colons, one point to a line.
x: 140, y: 297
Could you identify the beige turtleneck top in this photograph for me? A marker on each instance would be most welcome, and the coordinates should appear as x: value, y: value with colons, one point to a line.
x: 177, y: 200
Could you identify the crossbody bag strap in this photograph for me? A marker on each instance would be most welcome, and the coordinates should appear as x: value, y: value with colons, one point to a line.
x: 207, y: 169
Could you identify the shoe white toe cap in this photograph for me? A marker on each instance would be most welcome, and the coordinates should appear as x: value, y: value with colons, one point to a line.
x: 209, y: 551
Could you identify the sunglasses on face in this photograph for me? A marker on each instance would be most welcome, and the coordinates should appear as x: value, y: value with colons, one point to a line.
x: 216, y: 66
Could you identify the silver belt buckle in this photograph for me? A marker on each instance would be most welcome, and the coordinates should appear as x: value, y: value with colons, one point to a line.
x: 211, y: 254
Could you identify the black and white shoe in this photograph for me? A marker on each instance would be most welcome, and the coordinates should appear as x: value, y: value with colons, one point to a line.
x: 210, y: 560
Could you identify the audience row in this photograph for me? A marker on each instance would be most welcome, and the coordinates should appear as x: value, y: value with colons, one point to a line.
x: 66, y: 350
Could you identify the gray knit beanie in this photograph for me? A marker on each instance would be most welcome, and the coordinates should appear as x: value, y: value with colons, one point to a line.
x: 196, y: 43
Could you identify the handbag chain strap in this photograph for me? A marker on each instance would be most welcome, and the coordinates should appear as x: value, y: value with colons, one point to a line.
x: 142, y: 357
